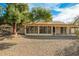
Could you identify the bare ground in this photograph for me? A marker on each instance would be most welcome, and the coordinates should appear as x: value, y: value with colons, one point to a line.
x: 32, y: 47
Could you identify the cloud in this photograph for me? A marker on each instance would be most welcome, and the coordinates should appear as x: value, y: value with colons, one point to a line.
x: 67, y: 14
x: 61, y: 12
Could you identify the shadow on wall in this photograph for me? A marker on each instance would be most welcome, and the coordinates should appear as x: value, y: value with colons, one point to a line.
x: 6, y: 45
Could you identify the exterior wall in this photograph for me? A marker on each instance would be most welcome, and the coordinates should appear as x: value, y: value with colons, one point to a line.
x: 72, y: 30
x: 57, y: 30
x: 68, y: 30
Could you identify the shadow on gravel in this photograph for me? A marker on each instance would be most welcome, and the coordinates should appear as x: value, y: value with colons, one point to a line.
x: 6, y: 45
x: 4, y: 34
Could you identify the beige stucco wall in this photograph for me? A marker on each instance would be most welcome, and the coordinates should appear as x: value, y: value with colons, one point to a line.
x: 57, y: 30
x: 72, y: 30
x: 68, y: 30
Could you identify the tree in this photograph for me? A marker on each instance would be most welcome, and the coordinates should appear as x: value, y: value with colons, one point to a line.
x: 15, y: 14
x: 40, y: 14
x: 1, y: 9
x: 18, y: 13
x: 76, y: 22
x: 2, y: 15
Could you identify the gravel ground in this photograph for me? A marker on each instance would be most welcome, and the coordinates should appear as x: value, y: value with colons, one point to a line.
x: 31, y: 47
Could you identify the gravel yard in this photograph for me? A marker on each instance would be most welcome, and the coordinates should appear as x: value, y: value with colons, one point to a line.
x: 32, y: 47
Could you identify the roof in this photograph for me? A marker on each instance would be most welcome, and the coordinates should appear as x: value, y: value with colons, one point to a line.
x: 58, y: 22
x: 54, y: 22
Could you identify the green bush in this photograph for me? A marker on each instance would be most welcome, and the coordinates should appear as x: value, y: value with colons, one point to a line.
x: 72, y: 50
x: 77, y: 33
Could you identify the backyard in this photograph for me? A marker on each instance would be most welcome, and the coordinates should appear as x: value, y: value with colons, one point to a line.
x: 17, y: 20
x: 22, y: 46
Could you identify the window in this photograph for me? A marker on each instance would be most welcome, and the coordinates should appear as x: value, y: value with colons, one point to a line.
x: 45, y: 30
x: 32, y: 29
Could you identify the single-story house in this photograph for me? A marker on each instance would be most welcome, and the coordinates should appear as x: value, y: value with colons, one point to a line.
x: 50, y: 28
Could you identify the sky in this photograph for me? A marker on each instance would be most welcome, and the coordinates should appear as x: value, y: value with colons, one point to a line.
x: 64, y: 12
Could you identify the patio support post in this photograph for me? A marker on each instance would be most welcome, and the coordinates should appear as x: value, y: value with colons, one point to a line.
x: 38, y: 29
x: 52, y: 30
x: 55, y: 30
x: 46, y: 30
x: 25, y: 29
x: 67, y: 30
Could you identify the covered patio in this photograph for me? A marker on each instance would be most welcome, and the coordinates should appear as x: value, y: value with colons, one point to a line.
x: 50, y: 29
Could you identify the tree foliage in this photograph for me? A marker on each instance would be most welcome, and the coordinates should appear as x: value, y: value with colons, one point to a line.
x: 16, y: 13
x: 40, y: 14
x: 2, y: 15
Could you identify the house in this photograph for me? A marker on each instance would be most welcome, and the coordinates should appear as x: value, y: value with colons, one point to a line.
x: 51, y: 28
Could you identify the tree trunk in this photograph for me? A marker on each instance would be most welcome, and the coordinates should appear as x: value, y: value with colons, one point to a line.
x: 14, y: 29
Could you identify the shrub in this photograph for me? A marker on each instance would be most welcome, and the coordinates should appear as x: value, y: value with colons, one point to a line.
x: 77, y: 33
x: 72, y: 50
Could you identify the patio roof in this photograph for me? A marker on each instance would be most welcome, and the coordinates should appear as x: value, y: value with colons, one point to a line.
x: 54, y: 23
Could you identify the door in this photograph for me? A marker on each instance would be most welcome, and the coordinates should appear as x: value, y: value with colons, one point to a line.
x: 54, y: 30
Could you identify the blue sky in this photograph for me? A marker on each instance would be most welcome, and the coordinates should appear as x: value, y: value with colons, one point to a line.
x: 52, y: 6
x: 64, y: 12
